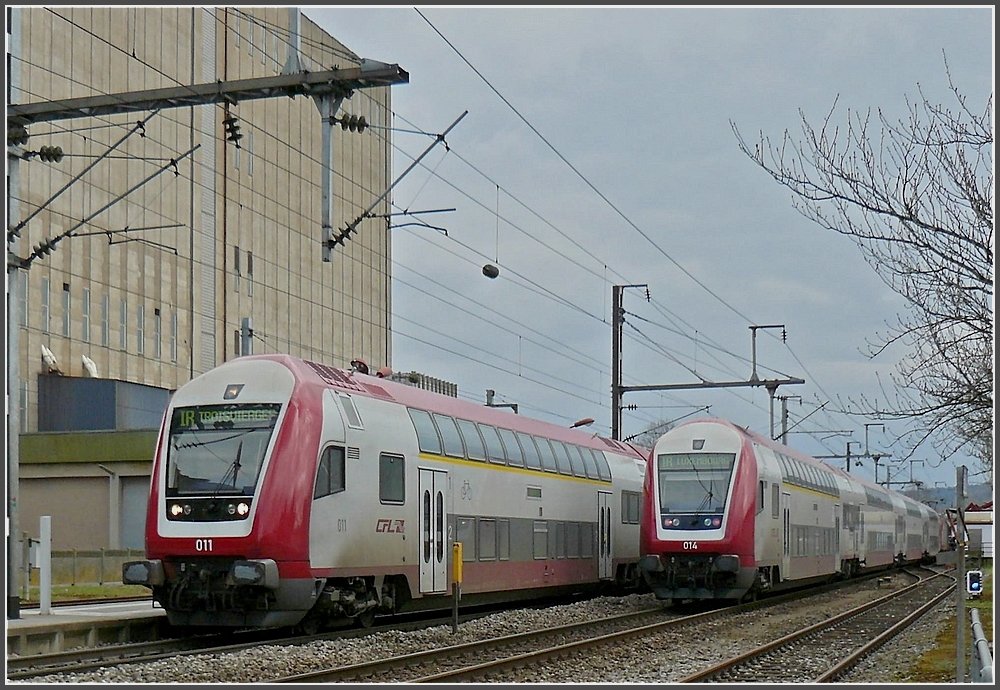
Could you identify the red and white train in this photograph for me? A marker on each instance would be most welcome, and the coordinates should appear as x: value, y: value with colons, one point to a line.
x: 286, y: 492
x: 729, y: 514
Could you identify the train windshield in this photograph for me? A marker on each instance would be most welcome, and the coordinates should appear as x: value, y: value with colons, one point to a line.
x: 694, y: 482
x: 218, y: 449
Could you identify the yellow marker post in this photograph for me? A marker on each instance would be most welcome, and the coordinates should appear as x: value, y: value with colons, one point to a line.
x: 456, y: 583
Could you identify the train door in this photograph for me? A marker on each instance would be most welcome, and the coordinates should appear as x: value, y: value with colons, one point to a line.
x: 604, y: 564
x: 786, y: 538
x: 837, y: 555
x: 433, y: 534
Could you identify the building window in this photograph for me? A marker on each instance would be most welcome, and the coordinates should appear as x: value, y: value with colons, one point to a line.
x: 86, y: 315
x: 105, y: 326
x: 66, y: 310
x: 22, y: 402
x: 236, y: 268
x: 140, y: 329
x: 250, y: 154
x: 46, y: 311
x: 22, y: 300
x: 173, y: 337
x: 157, y: 334
x: 250, y: 274
x: 123, y: 325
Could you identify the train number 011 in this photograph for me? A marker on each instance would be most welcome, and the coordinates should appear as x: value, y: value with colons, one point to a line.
x: 202, y: 544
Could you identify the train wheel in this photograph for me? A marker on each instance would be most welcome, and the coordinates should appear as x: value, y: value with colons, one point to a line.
x: 366, y: 619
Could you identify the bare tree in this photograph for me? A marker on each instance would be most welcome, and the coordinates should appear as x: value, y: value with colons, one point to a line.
x: 916, y: 195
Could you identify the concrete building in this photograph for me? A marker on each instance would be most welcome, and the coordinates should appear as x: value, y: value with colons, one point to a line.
x: 181, y: 243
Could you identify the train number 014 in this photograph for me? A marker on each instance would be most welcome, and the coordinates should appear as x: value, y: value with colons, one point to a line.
x: 690, y: 546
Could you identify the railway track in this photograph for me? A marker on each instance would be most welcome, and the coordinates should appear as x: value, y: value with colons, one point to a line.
x: 482, y: 659
x: 522, y: 657
x: 823, y: 652
x: 87, y: 659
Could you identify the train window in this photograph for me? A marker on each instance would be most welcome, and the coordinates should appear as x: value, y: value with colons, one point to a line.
x: 602, y: 465
x: 515, y: 457
x: 494, y: 447
x: 775, y: 489
x: 465, y: 532
x: 548, y: 459
x: 562, y: 460
x: 573, y: 540
x: 532, y: 460
x: 503, y: 539
x: 330, y: 474
x: 575, y: 460
x: 391, y: 476
x: 557, y: 539
x: 473, y: 441
x: 630, y: 507
x: 487, y: 539
x: 353, y: 418
x: 427, y: 435
x: 587, y: 540
x: 589, y: 464
x: 540, y: 539
x: 534, y: 492
x: 453, y: 445
x: 785, y: 471
x: 761, y: 489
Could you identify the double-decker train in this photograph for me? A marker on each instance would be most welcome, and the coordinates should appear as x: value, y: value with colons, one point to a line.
x: 289, y: 493
x: 728, y: 514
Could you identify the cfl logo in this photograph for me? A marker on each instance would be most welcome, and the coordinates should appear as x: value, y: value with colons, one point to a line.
x: 385, y: 525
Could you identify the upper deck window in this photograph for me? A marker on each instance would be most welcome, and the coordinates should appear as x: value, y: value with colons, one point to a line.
x: 427, y: 435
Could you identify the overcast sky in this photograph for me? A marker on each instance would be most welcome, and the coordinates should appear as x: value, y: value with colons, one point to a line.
x: 598, y: 151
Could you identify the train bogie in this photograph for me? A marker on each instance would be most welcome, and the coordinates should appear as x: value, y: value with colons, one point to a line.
x: 354, y: 494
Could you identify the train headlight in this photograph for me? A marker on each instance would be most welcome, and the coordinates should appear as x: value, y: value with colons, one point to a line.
x: 231, y: 509
x: 708, y: 522
x: 187, y: 508
x: 176, y: 509
x: 716, y: 522
x: 242, y: 509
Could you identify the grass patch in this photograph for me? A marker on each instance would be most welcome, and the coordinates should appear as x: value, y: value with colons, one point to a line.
x: 74, y: 592
x: 938, y: 665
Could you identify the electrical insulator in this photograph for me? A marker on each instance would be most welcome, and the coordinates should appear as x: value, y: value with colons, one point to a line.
x: 353, y: 123
x: 17, y: 135
x: 232, y: 126
x: 51, y: 154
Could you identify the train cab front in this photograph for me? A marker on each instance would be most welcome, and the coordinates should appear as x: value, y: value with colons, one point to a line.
x: 207, y: 565
x: 697, y: 537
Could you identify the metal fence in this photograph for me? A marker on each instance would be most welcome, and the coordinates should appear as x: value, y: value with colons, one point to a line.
x: 982, y: 659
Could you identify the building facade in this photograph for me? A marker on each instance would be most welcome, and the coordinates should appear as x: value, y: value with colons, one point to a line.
x: 183, y: 237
